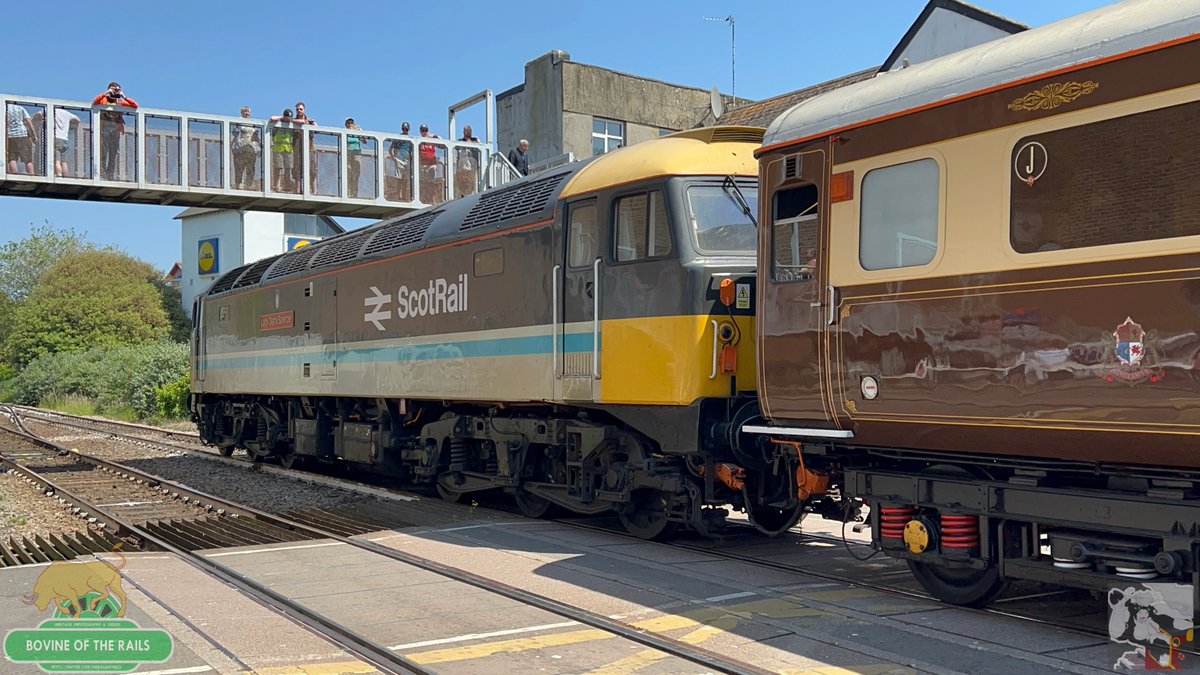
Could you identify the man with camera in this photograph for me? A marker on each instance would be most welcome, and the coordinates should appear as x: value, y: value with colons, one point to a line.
x: 112, y: 127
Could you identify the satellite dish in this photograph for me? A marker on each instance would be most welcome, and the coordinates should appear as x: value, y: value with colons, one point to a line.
x: 716, y: 103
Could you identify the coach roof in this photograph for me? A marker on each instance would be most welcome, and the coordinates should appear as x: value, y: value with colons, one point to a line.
x: 1099, y: 34
x: 686, y: 152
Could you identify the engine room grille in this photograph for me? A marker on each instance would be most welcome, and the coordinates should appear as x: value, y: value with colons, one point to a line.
x: 339, y: 250
x: 738, y: 135
x: 255, y: 273
x: 226, y: 282
x: 521, y: 200
x: 400, y: 233
x: 292, y: 262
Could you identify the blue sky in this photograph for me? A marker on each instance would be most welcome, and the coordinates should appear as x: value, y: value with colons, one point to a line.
x: 387, y: 62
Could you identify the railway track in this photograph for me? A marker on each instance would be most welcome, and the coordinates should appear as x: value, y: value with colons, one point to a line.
x: 1039, y: 605
x: 175, y: 540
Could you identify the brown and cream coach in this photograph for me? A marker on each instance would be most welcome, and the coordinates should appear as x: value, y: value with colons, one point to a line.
x: 979, y: 302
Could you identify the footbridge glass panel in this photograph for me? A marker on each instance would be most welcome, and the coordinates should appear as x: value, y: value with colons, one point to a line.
x: 163, y: 136
x: 206, y: 154
x: 74, y: 150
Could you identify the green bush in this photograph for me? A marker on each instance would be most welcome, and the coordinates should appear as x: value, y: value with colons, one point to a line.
x: 173, y: 399
x: 118, y: 379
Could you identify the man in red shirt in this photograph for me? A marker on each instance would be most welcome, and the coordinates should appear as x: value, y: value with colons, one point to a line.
x: 112, y: 127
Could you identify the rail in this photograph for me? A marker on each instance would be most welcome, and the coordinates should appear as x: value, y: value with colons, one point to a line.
x: 74, y: 150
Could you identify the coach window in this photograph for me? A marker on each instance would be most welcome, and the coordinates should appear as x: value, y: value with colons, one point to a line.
x: 581, y: 235
x: 1127, y: 179
x: 641, y: 228
x: 794, y: 234
x: 898, y: 226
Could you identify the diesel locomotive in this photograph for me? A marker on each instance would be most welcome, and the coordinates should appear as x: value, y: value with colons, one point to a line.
x: 581, y: 339
x: 978, y: 303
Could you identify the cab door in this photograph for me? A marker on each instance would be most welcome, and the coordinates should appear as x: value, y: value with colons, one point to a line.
x: 797, y: 306
x: 576, y: 333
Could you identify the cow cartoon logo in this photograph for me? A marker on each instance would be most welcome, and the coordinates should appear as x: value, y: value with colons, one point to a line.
x: 1129, y: 355
x: 80, y: 589
x: 1150, y: 626
x: 88, y: 630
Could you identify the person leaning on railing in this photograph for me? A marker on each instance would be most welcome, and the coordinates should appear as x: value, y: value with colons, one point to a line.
x: 112, y: 127
x: 283, y: 143
x: 353, y: 158
x: 466, y: 166
x: 246, y: 145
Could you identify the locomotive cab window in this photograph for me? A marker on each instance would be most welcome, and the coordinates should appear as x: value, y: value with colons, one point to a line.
x: 898, y: 226
x: 641, y: 228
x: 718, y: 219
x: 1131, y: 178
x: 794, y: 234
x: 581, y: 235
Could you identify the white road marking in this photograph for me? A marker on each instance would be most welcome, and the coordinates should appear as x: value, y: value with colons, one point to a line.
x: 176, y: 671
x: 480, y: 636
x: 272, y: 550
x: 722, y: 598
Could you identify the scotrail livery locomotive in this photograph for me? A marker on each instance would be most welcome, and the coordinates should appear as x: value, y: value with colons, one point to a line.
x: 581, y: 338
x: 979, y: 302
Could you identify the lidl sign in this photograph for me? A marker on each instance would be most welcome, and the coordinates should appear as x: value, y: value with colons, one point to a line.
x: 293, y: 243
x: 208, y: 258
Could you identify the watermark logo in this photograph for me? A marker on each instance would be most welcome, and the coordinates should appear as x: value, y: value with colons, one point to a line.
x: 87, y: 631
x: 1151, y: 626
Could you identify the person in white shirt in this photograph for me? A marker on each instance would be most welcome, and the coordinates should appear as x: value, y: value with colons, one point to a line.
x: 64, y: 122
x: 20, y: 138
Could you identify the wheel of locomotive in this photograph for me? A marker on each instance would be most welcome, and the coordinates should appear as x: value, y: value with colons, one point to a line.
x: 959, y: 586
x: 773, y: 521
x: 449, y: 494
x: 968, y: 587
x: 290, y: 460
x: 255, y: 456
x: 226, y: 450
x: 533, y: 506
x: 645, y: 517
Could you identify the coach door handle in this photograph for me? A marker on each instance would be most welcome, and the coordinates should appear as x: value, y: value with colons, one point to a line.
x: 832, y: 303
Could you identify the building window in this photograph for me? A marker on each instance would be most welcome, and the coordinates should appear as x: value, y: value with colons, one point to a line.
x: 607, y: 135
x: 1132, y: 178
x: 899, y: 222
x: 641, y: 227
x: 795, y: 230
x: 307, y: 225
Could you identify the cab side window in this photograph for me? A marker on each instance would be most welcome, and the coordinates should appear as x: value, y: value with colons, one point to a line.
x: 794, y: 234
x: 641, y: 229
x: 581, y: 235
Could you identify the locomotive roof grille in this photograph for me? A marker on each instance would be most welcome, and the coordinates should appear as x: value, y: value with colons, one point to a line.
x: 400, y: 233
x: 517, y: 201
x: 226, y: 282
x: 339, y: 250
x: 255, y: 273
x: 292, y: 262
x: 737, y: 135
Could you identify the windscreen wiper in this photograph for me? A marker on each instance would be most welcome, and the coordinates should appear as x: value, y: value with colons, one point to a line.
x: 735, y: 193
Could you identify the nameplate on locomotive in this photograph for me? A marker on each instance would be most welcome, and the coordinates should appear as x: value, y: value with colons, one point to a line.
x: 277, y: 321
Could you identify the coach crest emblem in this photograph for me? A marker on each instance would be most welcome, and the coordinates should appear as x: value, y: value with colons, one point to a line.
x: 1128, y: 355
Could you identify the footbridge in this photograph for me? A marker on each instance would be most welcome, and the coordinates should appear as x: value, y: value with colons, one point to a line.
x: 75, y: 150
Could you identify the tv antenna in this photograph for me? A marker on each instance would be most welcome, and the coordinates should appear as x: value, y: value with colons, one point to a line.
x: 732, y: 50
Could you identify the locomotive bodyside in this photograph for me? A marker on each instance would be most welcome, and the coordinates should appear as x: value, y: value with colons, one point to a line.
x: 560, y: 338
x: 978, y: 302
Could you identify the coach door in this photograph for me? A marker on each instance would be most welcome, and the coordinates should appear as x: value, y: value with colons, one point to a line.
x: 797, y: 306
x: 577, y: 328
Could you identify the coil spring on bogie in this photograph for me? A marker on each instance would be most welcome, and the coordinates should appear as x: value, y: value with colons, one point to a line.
x: 459, y: 453
x: 892, y: 520
x: 960, y: 532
